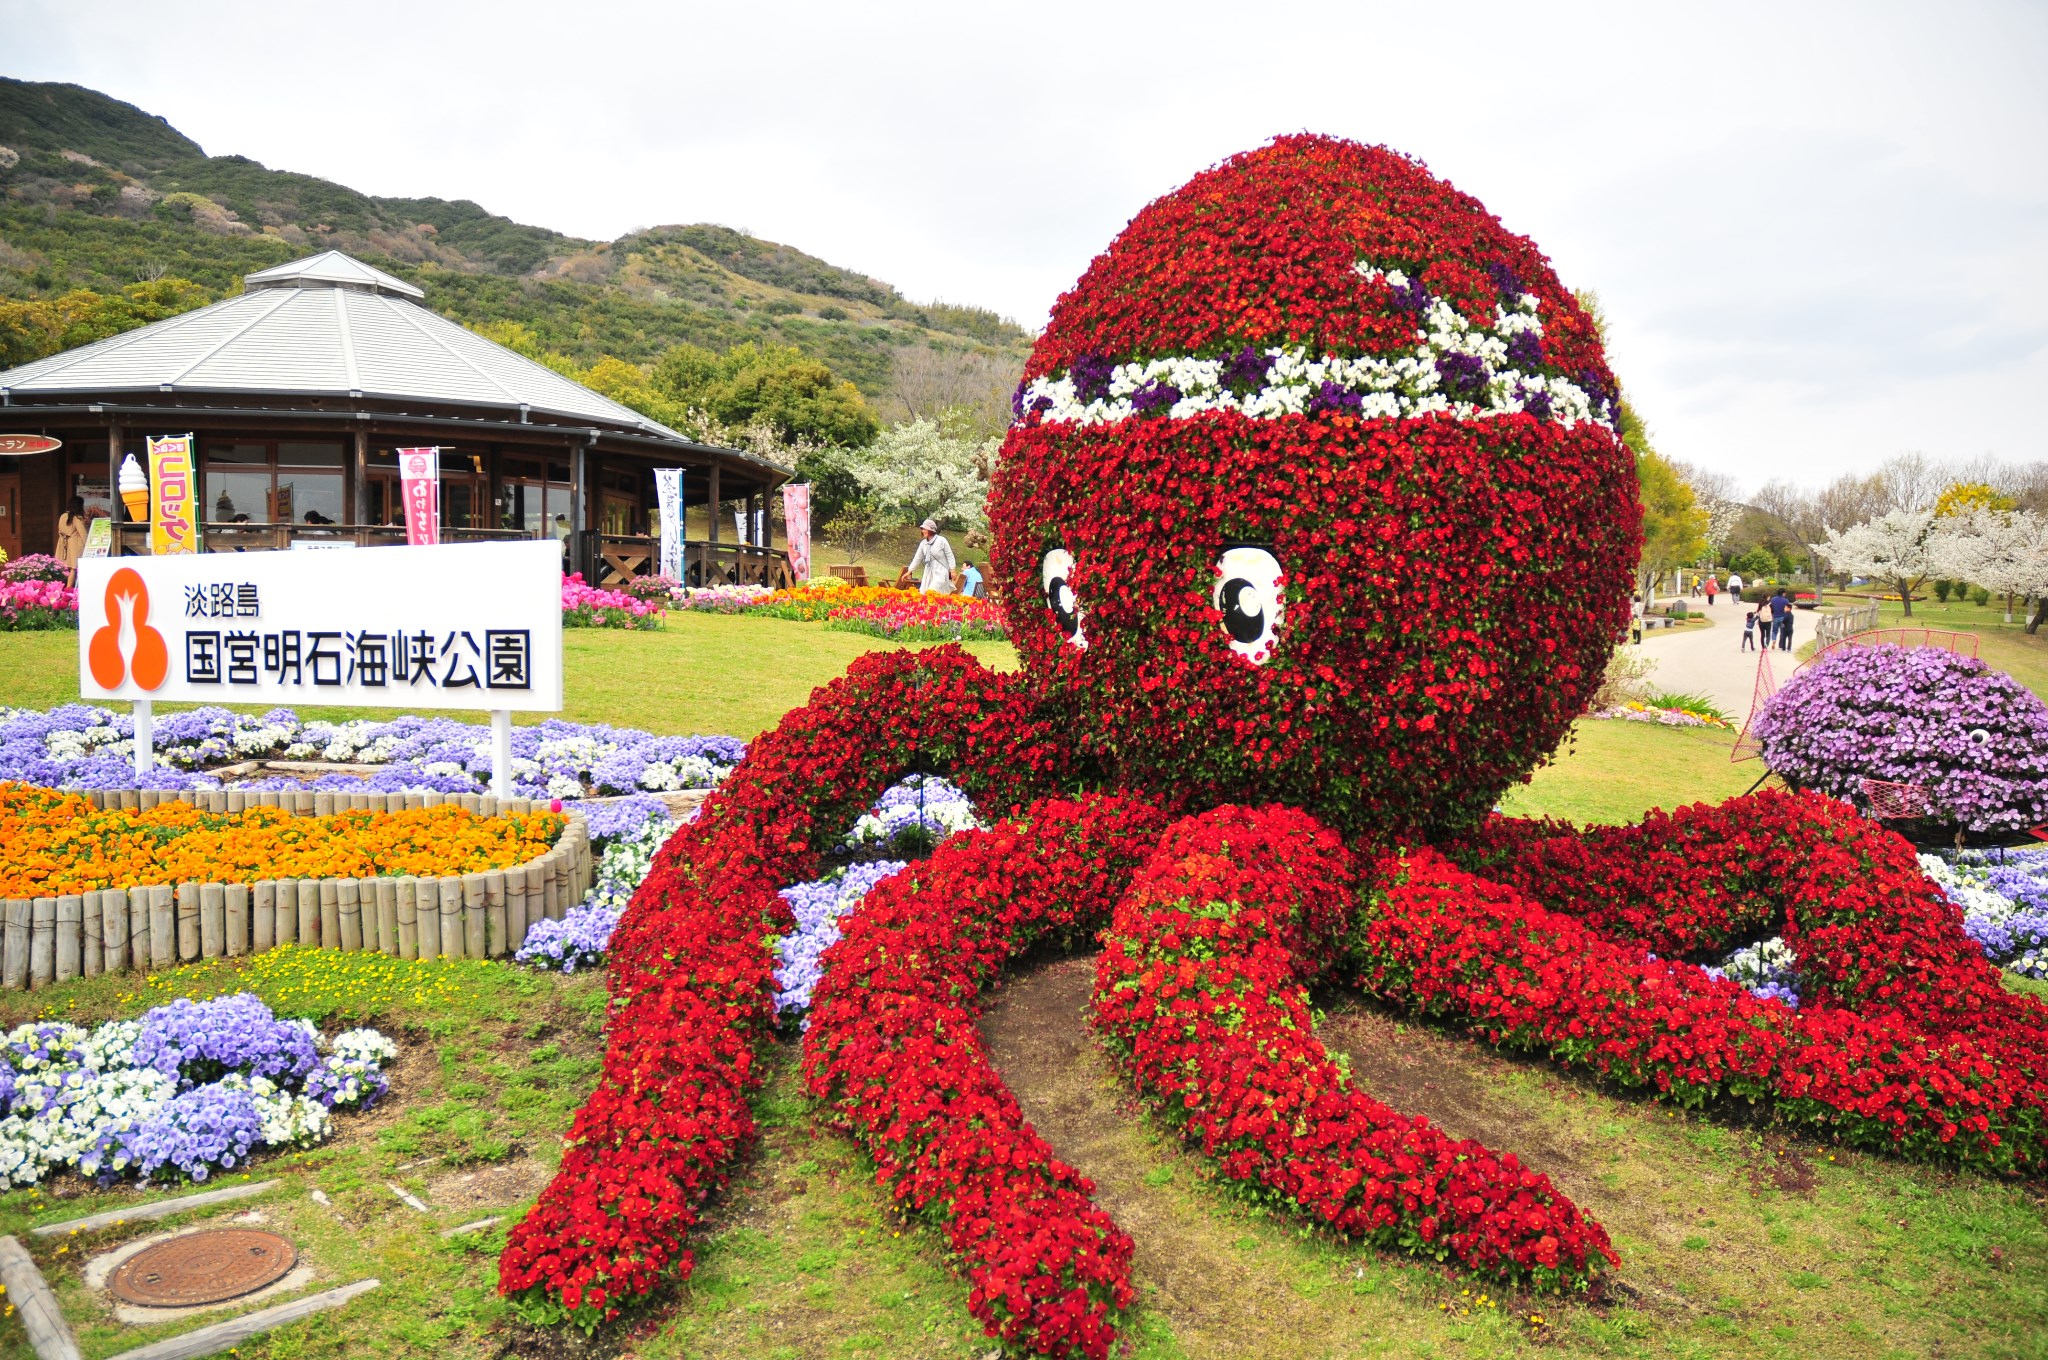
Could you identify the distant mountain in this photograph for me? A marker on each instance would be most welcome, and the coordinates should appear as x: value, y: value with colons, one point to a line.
x: 98, y: 194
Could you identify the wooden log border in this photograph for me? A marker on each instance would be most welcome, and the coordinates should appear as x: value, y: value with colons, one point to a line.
x: 47, y: 940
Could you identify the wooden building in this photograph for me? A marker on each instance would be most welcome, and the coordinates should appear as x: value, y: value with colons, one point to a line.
x: 301, y: 389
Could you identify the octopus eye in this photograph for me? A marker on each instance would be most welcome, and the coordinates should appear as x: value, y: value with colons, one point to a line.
x: 1248, y: 596
x: 1057, y: 573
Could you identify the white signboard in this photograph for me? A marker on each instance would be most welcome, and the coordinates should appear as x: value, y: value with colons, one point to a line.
x: 473, y: 625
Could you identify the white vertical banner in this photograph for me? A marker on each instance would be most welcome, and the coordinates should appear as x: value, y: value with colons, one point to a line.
x: 419, y: 482
x: 739, y: 521
x: 668, y: 493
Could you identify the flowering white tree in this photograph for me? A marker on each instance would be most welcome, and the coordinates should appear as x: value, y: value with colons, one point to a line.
x: 1900, y: 548
x: 928, y: 468
x: 2004, y: 551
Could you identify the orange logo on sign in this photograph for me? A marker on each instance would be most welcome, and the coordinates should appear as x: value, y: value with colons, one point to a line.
x: 145, y: 657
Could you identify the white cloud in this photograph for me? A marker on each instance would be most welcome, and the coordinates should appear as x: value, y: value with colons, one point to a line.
x: 1818, y: 231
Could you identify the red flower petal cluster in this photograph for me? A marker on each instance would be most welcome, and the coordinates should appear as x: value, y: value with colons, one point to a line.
x: 1906, y: 1042
x: 892, y: 1048
x: 1200, y: 993
x: 692, y: 975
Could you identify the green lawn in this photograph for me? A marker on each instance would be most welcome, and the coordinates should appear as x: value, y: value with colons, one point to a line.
x: 704, y: 673
x: 1616, y: 771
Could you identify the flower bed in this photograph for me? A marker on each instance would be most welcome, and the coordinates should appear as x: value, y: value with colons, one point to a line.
x: 83, y: 746
x: 27, y: 606
x: 586, y: 606
x: 1633, y: 711
x: 2004, y: 900
x: 1974, y: 738
x: 32, y: 567
x: 724, y: 599
x: 60, y: 843
x: 625, y: 837
x: 815, y: 599
x: 189, y: 1088
x: 929, y: 618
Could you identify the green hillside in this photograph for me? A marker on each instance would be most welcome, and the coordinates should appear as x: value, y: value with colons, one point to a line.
x: 97, y: 194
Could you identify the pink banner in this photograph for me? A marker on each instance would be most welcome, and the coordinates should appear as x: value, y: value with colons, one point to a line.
x: 419, y: 472
x: 796, y: 524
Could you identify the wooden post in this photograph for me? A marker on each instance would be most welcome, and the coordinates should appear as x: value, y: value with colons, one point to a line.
x: 494, y: 915
x: 28, y: 1295
x: 70, y: 937
x: 405, y: 914
x: 139, y: 956
x: 188, y: 922
x: 475, y: 929
x: 354, y: 491
x: 349, y: 908
x: 263, y: 916
x: 451, y: 918
x: 213, y: 921
x: 428, y: 893
x: 323, y: 804
x: 551, y: 883
x: 285, y: 912
x: 387, y: 916
x: 163, y: 927
x: 330, y: 914
x: 114, y: 927
x: 93, y: 927
x: 515, y: 906
x: 309, y: 913
x: 42, y: 943
x: 237, y: 903
x: 14, y: 956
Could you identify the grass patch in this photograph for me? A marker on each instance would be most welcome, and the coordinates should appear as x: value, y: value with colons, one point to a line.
x: 713, y: 673
x: 1613, y: 771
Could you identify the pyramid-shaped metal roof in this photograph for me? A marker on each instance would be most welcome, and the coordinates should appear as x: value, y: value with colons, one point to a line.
x: 330, y: 269
x: 327, y: 326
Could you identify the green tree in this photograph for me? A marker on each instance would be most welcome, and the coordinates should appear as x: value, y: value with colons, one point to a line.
x: 1674, y: 524
x: 37, y: 327
x: 774, y: 385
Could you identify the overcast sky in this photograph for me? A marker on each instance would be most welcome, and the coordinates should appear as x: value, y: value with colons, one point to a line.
x: 1820, y: 231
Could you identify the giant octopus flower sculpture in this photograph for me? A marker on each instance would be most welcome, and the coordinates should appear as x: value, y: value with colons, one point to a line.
x: 1313, y: 534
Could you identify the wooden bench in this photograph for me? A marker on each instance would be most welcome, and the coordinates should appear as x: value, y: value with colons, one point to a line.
x: 853, y: 575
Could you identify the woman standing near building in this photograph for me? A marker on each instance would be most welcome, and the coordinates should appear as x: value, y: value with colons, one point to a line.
x: 71, y: 530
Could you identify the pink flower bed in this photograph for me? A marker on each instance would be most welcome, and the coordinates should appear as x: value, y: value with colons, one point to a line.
x: 585, y: 606
x: 37, y: 604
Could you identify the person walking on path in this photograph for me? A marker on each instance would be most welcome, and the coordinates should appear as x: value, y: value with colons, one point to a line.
x: 1713, y: 588
x: 1735, y: 585
x: 933, y: 561
x: 71, y: 531
x: 1781, y: 622
x: 1749, y: 631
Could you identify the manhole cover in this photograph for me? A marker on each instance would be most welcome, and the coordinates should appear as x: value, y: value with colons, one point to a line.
x: 203, y: 1267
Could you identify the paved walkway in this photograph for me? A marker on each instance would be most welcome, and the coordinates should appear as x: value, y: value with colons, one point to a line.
x: 1711, y: 661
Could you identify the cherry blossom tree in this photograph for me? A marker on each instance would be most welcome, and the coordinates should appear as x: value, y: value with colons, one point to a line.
x: 1900, y: 549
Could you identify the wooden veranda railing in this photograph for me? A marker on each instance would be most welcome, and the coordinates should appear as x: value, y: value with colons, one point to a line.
x: 615, y: 559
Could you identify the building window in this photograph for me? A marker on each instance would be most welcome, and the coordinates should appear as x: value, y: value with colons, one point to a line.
x: 309, y: 484
x: 238, y: 483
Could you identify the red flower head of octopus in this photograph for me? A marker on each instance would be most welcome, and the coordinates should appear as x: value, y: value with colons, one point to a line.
x: 1314, y: 496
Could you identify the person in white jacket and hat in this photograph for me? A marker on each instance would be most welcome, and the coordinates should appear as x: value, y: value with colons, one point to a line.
x: 933, y: 563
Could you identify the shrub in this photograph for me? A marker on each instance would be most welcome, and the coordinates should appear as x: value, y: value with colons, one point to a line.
x: 1973, y: 737
x: 1942, y: 588
x: 1980, y: 596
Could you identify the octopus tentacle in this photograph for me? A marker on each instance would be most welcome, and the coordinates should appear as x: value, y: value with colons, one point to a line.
x: 1200, y: 993
x: 692, y: 968
x: 1908, y: 1042
x: 892, y: 1047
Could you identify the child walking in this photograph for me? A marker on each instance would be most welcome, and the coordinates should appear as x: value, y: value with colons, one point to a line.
x: 1749, y: 631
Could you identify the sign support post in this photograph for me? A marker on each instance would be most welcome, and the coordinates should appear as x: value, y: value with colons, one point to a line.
x: 501, y: 753
x: 144, y: 737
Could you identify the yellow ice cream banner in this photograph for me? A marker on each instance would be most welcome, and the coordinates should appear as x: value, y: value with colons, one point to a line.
x: 173, y: 495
